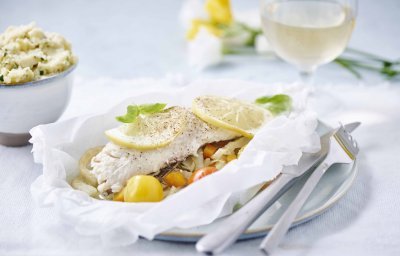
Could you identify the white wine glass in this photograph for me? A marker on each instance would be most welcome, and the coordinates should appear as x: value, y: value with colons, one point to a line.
x: 308, y: 33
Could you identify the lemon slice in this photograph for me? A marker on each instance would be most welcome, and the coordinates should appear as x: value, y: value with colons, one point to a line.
x: 232, y: 114
x: 150, y: 131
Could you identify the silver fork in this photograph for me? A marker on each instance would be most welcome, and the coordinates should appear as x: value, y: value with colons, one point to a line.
x: 342, y: 149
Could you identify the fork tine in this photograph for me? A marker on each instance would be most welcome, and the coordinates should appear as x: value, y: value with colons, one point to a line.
x: 347, y: 142
x: 352, y: 127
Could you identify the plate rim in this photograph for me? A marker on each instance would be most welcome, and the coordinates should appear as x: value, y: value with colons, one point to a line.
x: 254, y: 233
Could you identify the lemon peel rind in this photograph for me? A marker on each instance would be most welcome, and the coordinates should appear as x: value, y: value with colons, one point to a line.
x: 200, y: 110
x: 218, y: 123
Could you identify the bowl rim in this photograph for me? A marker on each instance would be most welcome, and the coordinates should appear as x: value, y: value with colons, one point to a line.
x: 40, y: 81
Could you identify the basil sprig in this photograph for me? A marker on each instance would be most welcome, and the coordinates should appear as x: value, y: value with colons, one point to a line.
x: 133, y: 111
x: 276, y: 104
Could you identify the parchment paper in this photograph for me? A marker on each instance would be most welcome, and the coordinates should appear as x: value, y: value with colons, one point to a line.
x: 58, y: 147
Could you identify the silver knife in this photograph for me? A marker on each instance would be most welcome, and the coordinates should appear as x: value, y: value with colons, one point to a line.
x: 233, y: 226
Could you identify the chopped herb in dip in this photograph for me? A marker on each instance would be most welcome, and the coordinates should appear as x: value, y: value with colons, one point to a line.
x: 27, y: 53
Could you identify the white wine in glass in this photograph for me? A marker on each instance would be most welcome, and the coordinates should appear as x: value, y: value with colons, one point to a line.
x: 308, y: 33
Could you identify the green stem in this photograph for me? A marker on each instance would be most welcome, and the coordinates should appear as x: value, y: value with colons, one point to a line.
x: 369, y: 55
x: 238, y: 51
x: 359, y: 64
x: 350, y: 65
x: 347, y: 66
x: 253, y: 30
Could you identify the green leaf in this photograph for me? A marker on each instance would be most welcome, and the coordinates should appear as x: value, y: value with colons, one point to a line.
x: 132, y: 112
x: 276, y: 104
x: 237, y: 206
x: 389, y: 72
x: 147, y: 109
x: 1, y: 78
x: 369, y: 62
x: 348, y: 66
x: 238, y: 29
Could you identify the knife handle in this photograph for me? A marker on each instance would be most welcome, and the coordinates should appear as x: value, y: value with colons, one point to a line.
x: 281, y: 227
x: 234, y: 225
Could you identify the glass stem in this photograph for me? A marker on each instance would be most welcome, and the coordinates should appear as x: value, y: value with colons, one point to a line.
x: 306, y: 77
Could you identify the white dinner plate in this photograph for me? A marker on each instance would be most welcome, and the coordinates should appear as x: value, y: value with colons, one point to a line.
x: 333, y: 185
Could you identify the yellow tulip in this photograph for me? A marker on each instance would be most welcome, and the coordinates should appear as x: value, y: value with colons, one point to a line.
x: 197, y: 24
x: 219, y: 11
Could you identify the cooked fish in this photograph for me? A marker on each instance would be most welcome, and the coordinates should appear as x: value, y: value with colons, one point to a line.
x: 114, y: 165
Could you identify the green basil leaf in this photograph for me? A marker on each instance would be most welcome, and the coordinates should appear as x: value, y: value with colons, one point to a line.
x: 132, y: 112
x: 276, y: 104
x: 148, y: 109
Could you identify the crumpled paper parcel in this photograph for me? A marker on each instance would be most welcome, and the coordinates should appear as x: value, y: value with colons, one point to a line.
x: 58, y: 147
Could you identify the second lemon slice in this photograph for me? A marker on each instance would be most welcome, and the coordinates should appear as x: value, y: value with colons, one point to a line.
x: 232, y: 114
x: 152, y: 131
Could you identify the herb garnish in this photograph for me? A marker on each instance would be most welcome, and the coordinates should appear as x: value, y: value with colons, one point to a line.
x: 133, y: 111
x: 276, y: 104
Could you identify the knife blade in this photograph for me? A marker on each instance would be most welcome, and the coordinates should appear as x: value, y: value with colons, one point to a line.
x: 233, y: 226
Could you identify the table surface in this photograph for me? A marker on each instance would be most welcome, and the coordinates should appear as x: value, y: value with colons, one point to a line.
x: 132, y: 39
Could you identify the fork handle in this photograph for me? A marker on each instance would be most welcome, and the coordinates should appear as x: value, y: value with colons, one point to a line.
x: 233, y: 226
x: 281, y: 227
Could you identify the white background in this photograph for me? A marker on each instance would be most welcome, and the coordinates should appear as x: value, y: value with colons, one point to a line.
x: 131, y: 39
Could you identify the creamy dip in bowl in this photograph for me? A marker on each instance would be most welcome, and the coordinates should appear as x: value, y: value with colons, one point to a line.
x: 35, y: 81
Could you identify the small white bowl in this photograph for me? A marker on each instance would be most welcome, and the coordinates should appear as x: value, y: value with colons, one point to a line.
x: 26, y: 105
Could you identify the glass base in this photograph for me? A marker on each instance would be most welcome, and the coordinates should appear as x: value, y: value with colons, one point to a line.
x: 306, y: 77
x: 14, y: 139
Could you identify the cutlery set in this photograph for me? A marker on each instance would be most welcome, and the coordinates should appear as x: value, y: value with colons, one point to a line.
x: 337, y: 146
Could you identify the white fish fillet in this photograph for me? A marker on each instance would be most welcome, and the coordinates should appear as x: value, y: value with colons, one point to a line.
x: 114, y: 165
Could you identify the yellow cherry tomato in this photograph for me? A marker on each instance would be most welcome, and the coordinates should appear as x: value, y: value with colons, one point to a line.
x: 175, y: 179
x: 143, y: 188
x: 119, y: 196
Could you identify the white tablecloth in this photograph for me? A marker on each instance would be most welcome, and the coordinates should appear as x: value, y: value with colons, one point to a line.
x: 365, y: 222
x: 146, y: 40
